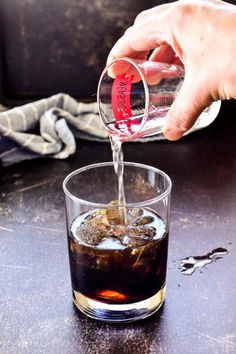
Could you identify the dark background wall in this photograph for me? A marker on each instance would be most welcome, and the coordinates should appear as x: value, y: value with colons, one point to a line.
x: 52, y: 46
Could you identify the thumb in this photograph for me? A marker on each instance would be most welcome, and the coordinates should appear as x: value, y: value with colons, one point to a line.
x: 187, y: 107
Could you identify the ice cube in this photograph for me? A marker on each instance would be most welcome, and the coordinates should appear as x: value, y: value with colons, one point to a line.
x: 144, y: 220
x: 142, y: 230
x: 98, y: 215
x: 118, y: 231
x: 135, y: 241
x: 136, y: 212
x: 138, y: 235
x: 94, y: 228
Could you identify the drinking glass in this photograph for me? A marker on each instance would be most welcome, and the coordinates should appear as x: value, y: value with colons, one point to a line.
x: 134, y: 97
x: 118, y: 269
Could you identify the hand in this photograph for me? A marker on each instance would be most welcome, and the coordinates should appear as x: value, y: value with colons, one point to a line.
x: 202, y: 35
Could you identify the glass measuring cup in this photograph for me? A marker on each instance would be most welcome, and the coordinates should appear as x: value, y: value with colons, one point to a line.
x: 134, y: 97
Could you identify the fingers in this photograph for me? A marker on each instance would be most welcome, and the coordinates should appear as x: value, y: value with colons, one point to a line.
x: 163, y: 54
x: 177, y: 61
x: 185, y: 110
x: 124, y: 67
x: 124, y: 48
x: 146, y: 34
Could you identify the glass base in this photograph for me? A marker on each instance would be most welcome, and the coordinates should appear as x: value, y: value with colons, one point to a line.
x: 119, y: 313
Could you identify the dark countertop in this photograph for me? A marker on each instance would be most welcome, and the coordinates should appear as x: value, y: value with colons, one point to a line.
x: 36, y: 310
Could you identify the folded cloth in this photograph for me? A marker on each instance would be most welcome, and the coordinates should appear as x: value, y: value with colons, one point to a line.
x: 49, y: 127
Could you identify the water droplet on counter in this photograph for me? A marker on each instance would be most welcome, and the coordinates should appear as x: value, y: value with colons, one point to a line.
x: 189, y: 264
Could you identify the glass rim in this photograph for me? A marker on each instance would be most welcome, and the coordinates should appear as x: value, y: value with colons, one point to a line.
x: 145, y: 116
x: 110, y: 163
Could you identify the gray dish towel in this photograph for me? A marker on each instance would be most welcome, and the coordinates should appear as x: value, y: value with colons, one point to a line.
x: 49, y: 127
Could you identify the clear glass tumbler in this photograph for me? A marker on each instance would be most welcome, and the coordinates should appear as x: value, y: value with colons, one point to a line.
x: 118, y: 271
x: 134, y: 97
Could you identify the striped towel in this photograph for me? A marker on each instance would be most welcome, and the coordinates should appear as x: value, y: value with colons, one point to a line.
x: 47, y: 128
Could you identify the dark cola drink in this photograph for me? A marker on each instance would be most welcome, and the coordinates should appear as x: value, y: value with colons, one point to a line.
x: 118, y: 263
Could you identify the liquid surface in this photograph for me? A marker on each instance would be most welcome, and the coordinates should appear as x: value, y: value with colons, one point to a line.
x: 116, y: 263
x: 190, y: 264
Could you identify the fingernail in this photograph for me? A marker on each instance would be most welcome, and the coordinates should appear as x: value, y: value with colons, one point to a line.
x: 171, y: 134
